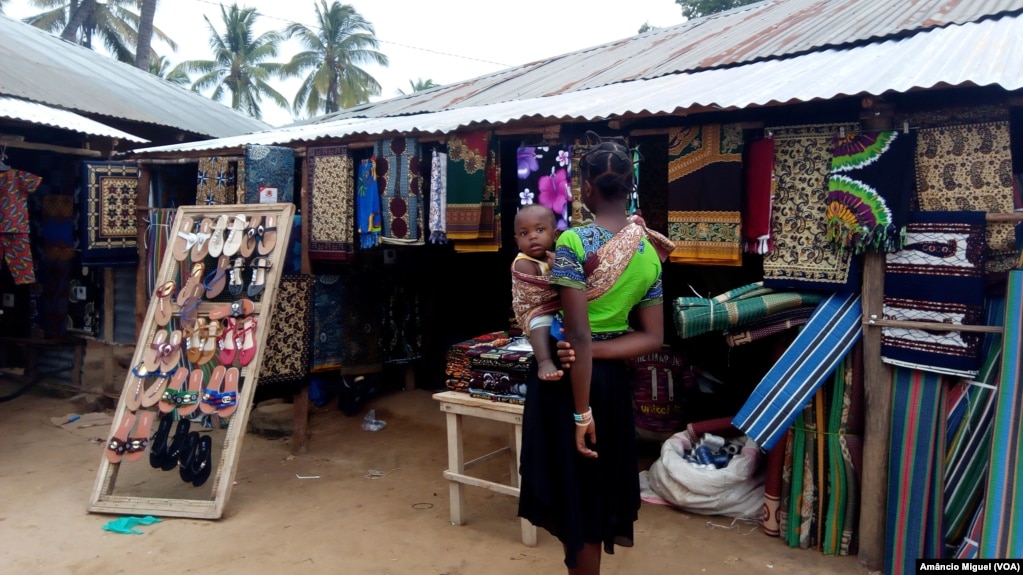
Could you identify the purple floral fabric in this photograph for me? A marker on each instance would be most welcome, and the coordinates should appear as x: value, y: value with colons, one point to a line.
x: 545, y: 178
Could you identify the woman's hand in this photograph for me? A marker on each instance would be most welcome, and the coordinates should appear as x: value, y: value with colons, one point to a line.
x: 566, y: 355
x: 582, y: 432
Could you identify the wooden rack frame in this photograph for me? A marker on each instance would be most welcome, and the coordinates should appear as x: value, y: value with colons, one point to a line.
x: 149, y: 490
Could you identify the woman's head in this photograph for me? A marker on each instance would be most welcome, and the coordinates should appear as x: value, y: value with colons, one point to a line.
x: 607, y: 168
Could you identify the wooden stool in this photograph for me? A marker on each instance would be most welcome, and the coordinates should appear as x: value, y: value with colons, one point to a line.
x: 455, y: 405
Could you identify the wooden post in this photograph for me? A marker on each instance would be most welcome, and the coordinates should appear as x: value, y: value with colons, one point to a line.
x: 300, y: 402
x: 108, y: 332
x: 141, y: 213
x: 877, y: 379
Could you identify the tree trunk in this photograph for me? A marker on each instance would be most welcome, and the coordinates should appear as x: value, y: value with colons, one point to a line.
x: 144, y: 47
x: 76, y: 18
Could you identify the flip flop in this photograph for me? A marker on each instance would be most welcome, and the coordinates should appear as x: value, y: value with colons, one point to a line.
x: 174, y: 392
x: 237, y: 273
x: 202, y: 463
x: 157, y: 349
x: 155, y: 391
x: 209, y: 346
x: 190, y: 402
x: 164, y: 307
x: 267, y: 236
x: 259, y: 267
x: 185, y: 239
x: 133, y: 399
x: 193, y: 282
x: 137, y: 443
x: 195, y: 340
x: 158, y: 452
x: 216, y: 280
x: 228, y: 344
x: 200, y: 248
x: 248, y: 246
x: 211, y: 394
x: 238, y: 308
x: 187, y: 456
x: 235, y: 235
x: 118, y: 443
x: 216, y: 245
x: 245, y: 340
x: 169, y: 360
x: 177, y: 445
x: 229, y: 397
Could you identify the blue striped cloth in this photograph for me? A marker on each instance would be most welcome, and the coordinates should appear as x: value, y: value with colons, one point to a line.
x: 780, y: 396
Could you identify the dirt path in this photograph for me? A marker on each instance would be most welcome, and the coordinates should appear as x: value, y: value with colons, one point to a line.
x: 349, y: 520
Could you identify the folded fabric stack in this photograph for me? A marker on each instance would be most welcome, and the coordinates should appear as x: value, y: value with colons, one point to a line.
x: 457, y: 367
x: 499, y: 372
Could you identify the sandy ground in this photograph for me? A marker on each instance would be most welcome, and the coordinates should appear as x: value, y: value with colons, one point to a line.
x: 378, y: 506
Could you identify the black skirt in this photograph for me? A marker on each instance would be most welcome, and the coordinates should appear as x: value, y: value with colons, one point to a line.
x: 576, y: 499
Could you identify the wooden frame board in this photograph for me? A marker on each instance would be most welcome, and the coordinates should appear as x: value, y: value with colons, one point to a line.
x: 135, y: 487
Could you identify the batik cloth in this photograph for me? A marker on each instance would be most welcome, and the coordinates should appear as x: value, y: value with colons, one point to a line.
x: 328, y: 315
x: 580, y: 215
x: 802, y: 257
x: 869, y: 190
x: 107, y: 212
x: 488, y: 238
x: 215, y: 182
x: 331, y: 180
x: 457, y: 366
x: 400, y: 181
x: 15, y: 245
x: 269, y: 174
x: 467, y: 162
x: 288, y: 341
x: 759, y: 190
x: 937, y: 277
x: 969, y: 168
x: 367, y: 205
x: 438, y: 197
x: 545, y: 178
x: 705, y: 194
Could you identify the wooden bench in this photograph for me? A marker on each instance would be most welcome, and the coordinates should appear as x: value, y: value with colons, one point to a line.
x: 30, y: 350
x: 455, y: 405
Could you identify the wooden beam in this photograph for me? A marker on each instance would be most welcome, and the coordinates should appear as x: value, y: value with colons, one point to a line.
x: 300, y: 401
x: 141, y: 217
x: 931, y: 325
x: 16, y: 143
x: 108, y: 331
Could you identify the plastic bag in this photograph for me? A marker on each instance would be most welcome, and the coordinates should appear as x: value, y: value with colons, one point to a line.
x: 736, y: 490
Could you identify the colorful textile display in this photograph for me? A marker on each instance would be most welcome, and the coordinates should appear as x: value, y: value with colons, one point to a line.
x: 367, y: 205
x: 106, y: 205
x: 698, y: 315
x: 15, y: 242
x: 705, y: 194
x: 458, y: 366
x: 438, y: 198
x: 215, y: 182
x: 970, y: 547
x: 938, y: 277
x: 969, y: 168
x: 269, y: 174
x: 771, y: 324
x: 467, y: 159
x: 328, y: 315
x: 770, y: 517
x: 802, y: 257
x: 545, y: 178
x: 488, y: 236
x: 780, y: 396
x: 400, y: 181
x: 288, y: 343
x: 844, y: 452
x: 1002, y: 532
x: 331, y: 180
x: 759, y: 184
x: 915, y: 471
x: 869, y: 190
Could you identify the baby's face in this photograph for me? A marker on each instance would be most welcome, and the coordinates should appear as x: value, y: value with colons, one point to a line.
x: 534, y: 233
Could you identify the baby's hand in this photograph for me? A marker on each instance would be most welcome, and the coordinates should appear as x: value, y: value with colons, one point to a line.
x: 550, y: 258
x: 566, y: 354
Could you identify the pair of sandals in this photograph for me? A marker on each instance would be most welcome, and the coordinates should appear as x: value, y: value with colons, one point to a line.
x: 201, y: 341
x: 189, y: 451
x: 244, y: 236
x: 236, y: 282
x: 129, y: 441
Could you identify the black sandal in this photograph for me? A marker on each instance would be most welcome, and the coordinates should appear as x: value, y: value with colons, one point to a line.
x: 158, y: 454
x: 177, y: 446
x: 188, y: 456
x: 202, y: 463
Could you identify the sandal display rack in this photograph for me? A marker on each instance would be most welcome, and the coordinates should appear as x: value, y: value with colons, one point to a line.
x: 170, y: 381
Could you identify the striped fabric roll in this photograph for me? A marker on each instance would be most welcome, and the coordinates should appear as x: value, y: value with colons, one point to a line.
x: 780, y: 396
x: 915, y: 470
x: 1002, y: 533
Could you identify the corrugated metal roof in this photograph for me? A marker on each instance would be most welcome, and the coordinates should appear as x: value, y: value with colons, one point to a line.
x: 41, y: 67
x: 984, y: 53
x: 33, y: 113
x: 771, y: 29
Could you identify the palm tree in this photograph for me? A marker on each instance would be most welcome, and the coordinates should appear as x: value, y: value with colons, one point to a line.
x: 343, y: 41
x: 418, y: 85
x: 239, y: 65
x: 161, y: 67
x: 147, y: 12
x: 113, y: 22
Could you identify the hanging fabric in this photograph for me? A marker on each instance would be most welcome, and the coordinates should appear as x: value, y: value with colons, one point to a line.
x: 367, y: 205
x: 331, y: 180
x: 759, y: 188
x: 489, y: 235
x: 215, y: 182
x: 545, y: 178
x: 269, y: 174
x: 467, y: 159
x: 400, y: 181
x: 438, y: 197
x: 106, y: 204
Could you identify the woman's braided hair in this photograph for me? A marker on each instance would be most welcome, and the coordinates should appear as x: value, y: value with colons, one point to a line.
x: 607, y: 165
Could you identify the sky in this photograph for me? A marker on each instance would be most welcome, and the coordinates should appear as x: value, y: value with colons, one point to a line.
x: 445, y: 41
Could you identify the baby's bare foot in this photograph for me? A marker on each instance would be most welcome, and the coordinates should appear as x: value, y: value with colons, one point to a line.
x: 547, y: 371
